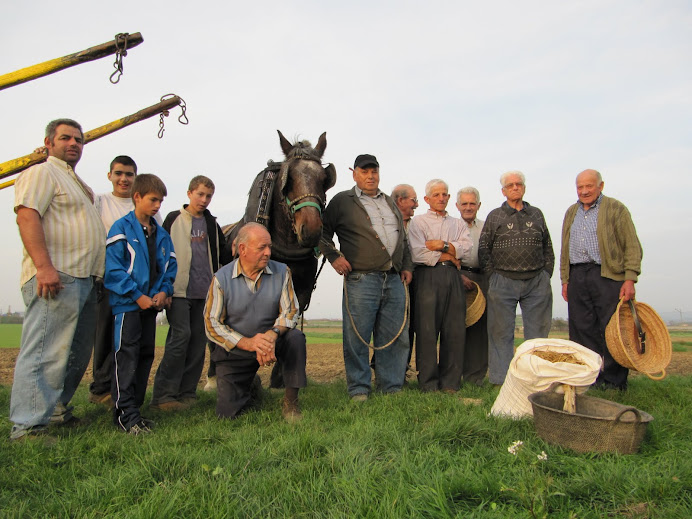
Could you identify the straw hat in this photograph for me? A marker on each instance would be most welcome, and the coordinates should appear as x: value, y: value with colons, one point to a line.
x: 622, y: 338
x: 475, y: 304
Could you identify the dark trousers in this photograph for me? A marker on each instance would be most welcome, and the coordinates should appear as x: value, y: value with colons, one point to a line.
x: 236, y: 369
x: 102, y: 362
x: 134, y: 335
x: 591, y: 302
x: 181, y: 366
x: 476, y: 348
x: 440, y: 312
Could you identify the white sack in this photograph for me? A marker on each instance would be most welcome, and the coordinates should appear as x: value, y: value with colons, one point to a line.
x: 529, y: 373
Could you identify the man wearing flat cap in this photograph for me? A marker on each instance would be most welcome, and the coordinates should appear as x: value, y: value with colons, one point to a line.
x: 375, y: 260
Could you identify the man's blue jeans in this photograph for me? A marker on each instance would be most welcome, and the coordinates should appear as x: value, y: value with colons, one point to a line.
x: 536, y: 301
x: 57, y: 337
x: 376, y: 301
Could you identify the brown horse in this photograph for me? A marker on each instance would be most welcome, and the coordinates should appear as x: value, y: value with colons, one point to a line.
x: 288, y: 199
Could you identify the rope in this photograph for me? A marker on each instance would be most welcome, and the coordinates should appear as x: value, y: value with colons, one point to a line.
x: 403, y: 324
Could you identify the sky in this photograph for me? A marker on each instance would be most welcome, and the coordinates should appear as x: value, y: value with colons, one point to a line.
x: 458, y: 90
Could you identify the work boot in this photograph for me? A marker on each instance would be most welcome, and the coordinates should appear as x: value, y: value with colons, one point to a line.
x: 291, y: 411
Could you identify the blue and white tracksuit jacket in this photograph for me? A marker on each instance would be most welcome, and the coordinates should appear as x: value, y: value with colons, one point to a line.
x: 127, y: 264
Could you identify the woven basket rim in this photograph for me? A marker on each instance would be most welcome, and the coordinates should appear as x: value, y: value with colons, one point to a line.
x: 474, y: 310
x: 659, y: 346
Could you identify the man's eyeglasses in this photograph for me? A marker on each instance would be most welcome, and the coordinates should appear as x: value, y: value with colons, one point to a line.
x: 513, y: 184
x: 414, y: 200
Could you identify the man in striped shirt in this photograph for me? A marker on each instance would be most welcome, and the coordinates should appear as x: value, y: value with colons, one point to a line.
x: 64, y: 251
x: 251, y: 313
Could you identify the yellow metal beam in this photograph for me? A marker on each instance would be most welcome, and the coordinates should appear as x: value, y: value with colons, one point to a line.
x: 55, y: 65
x: 15, y: 166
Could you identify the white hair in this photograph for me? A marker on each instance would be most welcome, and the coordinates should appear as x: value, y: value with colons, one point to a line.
x: 503, y: 177
x: 434, y: 182
x: 469, y: 190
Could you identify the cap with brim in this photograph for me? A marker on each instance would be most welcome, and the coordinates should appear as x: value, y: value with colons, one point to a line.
x: 365, y: 160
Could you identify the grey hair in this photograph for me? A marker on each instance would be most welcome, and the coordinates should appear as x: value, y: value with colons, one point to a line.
x: 401, y: 191
x: 246, y: 231
x: 468, y: 190
x: 434, y: 182
x: 53, y: 126
x: 503, y: 177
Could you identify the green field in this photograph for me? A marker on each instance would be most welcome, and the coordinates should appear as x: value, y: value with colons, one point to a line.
x: 325, y: 332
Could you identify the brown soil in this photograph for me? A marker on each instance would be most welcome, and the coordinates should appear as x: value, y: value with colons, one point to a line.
x: 325, y: 364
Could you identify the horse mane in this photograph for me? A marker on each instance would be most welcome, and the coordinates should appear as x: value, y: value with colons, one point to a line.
x: 302, y: 150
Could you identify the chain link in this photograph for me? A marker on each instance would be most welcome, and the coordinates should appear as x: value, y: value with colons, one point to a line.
x: 120, y: 53
x: 182, y: 119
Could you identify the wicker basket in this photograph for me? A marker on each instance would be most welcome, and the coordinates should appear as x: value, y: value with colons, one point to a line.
x: 597, y: 426
x: 623, y: 343
x: 475, y: 304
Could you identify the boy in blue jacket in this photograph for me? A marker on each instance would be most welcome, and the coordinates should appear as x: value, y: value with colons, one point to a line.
x: 140, y: 271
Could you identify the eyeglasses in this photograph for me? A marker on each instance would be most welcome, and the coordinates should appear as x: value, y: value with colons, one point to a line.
x: 513, y: 184
x: 414, y: 200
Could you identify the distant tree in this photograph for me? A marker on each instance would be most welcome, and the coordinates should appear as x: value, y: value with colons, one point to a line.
x: 560, y: 325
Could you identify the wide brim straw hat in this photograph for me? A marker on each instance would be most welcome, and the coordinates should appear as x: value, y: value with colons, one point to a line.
x: 475, y: 304
x: 624, y: 344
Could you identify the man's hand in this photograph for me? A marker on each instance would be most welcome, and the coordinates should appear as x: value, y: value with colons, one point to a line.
x: 406, y: 277
x: 446, y: 256
x: 468, y: 284
x: 627, y: 290
x: 262, y: 344
x: 342, y: 266
x: 564, y: 291
x: 48, y: 284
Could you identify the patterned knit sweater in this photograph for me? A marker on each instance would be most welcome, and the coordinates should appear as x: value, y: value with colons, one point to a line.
x: 516, y: 244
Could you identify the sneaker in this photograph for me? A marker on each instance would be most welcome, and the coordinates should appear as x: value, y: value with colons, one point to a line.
x: 149, y: 423
x: 173, y: 405
x: 291, y: 411
x: 359, y: 397
x: 139, y: 428
x: 104, y: 399
x: 210, y: 385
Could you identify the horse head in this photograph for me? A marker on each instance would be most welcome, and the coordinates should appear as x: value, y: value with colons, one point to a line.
x: 302, y: 186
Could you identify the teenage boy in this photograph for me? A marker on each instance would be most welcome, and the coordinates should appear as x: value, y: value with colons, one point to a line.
x: 200, y: 246
x: 140, y: 270
x: 111, y: 207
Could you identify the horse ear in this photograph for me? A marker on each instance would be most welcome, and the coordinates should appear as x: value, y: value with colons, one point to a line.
x: 285, y: 145
x: 331, y: 176
x: 321, y: 145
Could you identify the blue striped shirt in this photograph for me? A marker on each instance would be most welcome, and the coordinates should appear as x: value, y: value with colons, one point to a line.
x: 583, y: 242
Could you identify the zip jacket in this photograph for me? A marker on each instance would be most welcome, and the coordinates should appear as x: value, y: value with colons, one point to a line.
x: 127, y: 264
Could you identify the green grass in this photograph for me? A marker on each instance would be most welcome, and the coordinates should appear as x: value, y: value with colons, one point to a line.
x: 405, y: 455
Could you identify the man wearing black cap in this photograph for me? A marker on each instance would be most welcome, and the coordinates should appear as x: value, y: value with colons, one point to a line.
x: 375, y: 261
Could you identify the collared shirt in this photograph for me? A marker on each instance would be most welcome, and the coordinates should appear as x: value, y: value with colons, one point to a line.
x: 475, y: 229
x: 71, y: 224
x: 583, y: 242
x: 215, y: 311
x: 382, y: 218
x: 432, y: 226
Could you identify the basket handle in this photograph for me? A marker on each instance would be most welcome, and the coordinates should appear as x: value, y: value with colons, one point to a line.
x: 637, y: 415
x: 642, y: 333
x: 657, y: 377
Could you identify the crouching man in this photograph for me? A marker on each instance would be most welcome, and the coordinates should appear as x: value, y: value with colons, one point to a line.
x: 251, y: 312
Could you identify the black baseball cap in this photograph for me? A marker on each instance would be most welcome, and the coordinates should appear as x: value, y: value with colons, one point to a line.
x: 365, y: 160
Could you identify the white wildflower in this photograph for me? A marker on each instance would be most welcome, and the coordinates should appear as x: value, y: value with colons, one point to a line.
x: 542, y: 456
x: 514, y: 448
